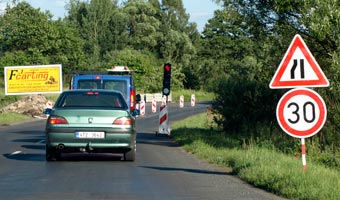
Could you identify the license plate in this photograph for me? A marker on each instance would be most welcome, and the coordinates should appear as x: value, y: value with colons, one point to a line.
x: 90, y: 135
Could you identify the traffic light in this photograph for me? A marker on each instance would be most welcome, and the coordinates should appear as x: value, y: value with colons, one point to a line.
x: 166, y: 79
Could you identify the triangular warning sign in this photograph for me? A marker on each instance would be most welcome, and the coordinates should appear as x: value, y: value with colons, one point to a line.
x: 298, y: 68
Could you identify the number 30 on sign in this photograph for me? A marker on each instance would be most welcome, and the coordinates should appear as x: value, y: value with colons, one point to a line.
x: 301, y: 112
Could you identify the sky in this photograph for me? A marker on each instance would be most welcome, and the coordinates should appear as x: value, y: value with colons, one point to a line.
x: 199, y: 10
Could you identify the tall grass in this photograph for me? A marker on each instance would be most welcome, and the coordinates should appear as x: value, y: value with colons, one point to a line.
x: 263, y: 167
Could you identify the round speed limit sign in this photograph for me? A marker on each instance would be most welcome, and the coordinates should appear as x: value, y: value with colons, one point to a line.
x: 301, y: 112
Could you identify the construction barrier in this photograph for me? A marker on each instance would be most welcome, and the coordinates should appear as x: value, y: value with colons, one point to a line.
x: 150, y: 96
x: 49, y: 104
x: 181, y: 101
x: 137, y: 107
x: 163, y: 100
x: 163, y: 121
x: 193, y: 99
x: 142, y: 108
x: 154, y: 105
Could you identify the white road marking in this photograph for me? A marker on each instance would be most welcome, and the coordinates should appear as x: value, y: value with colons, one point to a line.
x: 41, y: 142
x: 15, y: 153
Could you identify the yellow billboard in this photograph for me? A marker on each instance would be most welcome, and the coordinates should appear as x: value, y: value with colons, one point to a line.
x: 37, y: 79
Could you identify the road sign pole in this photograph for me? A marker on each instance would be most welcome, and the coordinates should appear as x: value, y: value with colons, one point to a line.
x: 303, y: 152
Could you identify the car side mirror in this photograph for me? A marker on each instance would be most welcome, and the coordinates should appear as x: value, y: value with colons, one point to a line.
x: 47, y: 111
x: 135, y: 112
x: 138, y: 98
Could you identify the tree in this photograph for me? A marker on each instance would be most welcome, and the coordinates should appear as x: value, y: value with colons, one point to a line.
x: 96, y: 22
x: 143, y: 25
x: 146, y: 67
x: 30, y: 37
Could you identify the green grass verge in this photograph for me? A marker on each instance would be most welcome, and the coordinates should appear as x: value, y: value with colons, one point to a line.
x: 264, y: 168
x: 199, y: 95
x: 12, y: 117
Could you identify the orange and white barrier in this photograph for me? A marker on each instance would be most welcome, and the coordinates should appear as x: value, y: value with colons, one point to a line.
x: 163, y: 121
x: 193, y: 100
x: 163, y: 100
x: 48, y: 104
x: 303, y: 151
x: 142, y: 108
x: 181, y: 101
x: 154, y: 105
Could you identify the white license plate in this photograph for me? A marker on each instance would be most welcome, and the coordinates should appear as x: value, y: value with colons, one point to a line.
x: 90, y: 135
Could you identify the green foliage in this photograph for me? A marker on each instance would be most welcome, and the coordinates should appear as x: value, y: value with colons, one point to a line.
x: 243, y: 104
x: 242, y: 46
x: 29, y: 37
x: 12, y: 117
x: 200, y: 95
x: 159, y: 33
x: 5, y: 100
x: 142, y: 63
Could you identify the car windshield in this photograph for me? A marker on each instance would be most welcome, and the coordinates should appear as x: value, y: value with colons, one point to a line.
x: 91, y: 99
x: 119, y: 85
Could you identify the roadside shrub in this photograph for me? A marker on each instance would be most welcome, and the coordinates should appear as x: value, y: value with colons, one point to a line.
x: 243, y: 104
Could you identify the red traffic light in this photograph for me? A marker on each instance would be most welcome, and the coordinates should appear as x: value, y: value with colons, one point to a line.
x: 166, y: 79
x: 167, y: 67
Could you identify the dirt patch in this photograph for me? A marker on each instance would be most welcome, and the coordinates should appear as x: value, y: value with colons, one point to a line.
x: 32, y: 105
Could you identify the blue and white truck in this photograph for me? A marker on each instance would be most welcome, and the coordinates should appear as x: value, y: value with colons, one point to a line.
x: 117, y: 78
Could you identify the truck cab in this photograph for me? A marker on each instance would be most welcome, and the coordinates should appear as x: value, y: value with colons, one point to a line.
x: 117, y: 78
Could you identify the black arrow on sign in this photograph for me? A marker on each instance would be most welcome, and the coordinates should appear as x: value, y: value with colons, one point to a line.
x: 302, y: 69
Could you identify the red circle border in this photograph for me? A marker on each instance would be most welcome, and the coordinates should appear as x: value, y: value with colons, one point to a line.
x: 309, y: 132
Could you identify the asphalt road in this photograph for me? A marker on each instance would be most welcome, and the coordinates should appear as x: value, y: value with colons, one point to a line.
x: 162, y: 169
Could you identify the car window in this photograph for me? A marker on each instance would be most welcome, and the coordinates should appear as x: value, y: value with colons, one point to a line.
x: 120, y: 86
x: 89, y: 84
x: 92, y: 99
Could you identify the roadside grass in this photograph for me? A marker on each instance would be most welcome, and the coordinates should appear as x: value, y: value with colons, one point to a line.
x: 264, y: 168
x: 12, y: 117
x: 199, y: 95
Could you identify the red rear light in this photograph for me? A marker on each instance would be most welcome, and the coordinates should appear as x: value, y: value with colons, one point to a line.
x: 123, y: 121
x: 132, y: 99
x: 57, y: 120
x: 97, y: 77
x: 92, y: 93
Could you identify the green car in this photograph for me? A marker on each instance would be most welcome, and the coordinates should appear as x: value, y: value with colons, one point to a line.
x: 93, y: 121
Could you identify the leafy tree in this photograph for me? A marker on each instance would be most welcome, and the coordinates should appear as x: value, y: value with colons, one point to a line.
x: 95, y: 21
x: 26, y: 29
x: 143, y: 25
x: 30, y: 37
x: 146, y: 67
x: 252, y: 37
x: 175, y: 17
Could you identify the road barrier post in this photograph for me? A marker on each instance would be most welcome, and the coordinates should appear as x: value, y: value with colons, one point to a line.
x: 154, y: 105
x: 181, y: 101
x: 193, y: 99
x: 164, y: 129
